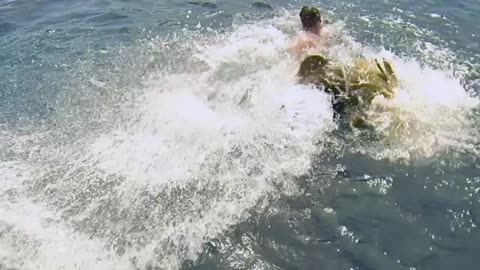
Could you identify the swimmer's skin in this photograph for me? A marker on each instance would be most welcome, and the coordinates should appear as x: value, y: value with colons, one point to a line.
x: 311, y: 35
x: 303, y: 43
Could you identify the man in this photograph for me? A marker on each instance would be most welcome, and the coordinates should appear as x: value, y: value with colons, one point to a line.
x: 310, y: 37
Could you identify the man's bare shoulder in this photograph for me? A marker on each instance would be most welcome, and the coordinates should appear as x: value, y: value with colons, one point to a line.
x: 304, y: 42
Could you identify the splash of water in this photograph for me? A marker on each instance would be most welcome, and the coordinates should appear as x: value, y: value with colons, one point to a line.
x: 201, y: 148
x: 205, y: 148
x: 431, y: 113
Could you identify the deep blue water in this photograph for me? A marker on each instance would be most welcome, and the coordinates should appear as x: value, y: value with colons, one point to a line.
x: 140, y: 135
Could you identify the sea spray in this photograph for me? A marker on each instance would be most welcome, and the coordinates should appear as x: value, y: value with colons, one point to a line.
x: 130, y: 175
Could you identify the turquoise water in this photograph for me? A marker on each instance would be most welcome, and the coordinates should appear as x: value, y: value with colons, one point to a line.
x: 149, y: 135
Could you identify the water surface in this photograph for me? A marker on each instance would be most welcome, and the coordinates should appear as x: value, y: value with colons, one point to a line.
x: 150, y: 135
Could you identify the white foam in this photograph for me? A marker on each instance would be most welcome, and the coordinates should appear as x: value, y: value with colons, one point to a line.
x: 207, y: 148
x: 34, y: 237
x: 430, y: 111
x: 428, y: 115
x: 192, y: 124
x: 188, y: 115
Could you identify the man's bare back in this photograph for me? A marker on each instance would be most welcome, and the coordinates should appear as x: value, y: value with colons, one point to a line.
x: 304, y: 43
x: 310, y: 38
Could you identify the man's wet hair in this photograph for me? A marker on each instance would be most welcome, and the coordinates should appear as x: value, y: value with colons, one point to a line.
x: 310, y: 16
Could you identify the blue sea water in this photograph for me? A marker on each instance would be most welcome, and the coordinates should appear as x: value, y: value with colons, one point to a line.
x: 149, y: 135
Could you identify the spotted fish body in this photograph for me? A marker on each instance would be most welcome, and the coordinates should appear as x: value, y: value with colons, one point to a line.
x: 353, y: 86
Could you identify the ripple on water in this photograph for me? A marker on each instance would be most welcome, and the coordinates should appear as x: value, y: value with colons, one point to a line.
x: 109, y: 17
x: 6, y: 28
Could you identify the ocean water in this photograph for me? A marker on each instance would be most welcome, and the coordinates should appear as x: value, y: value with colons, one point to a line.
x: 173, y: 135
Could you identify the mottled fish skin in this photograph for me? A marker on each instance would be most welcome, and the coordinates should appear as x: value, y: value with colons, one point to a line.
x: 355, y: 87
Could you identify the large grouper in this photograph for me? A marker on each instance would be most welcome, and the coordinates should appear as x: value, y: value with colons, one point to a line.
x: 353, y: 86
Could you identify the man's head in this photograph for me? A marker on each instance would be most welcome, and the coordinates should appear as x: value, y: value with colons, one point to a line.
x: 311, y: 19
